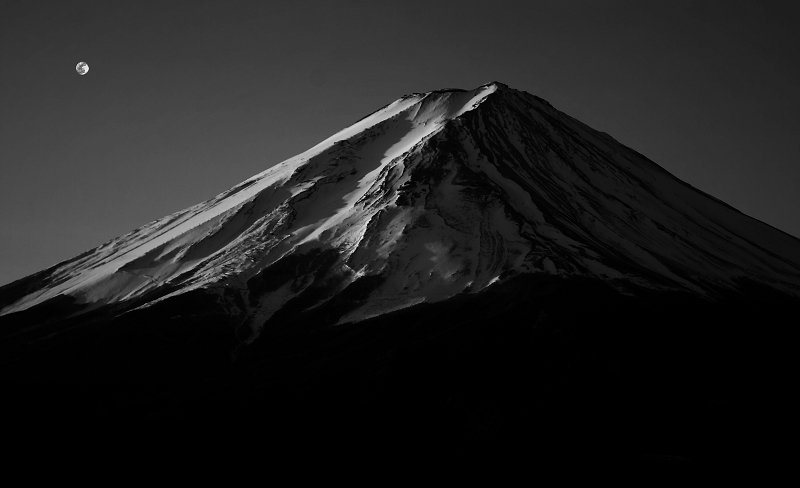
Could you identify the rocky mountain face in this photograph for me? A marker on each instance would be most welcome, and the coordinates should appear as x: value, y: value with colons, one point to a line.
x: 456, y: 268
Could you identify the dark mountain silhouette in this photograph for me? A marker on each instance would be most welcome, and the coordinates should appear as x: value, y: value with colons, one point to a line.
x: 462, y: 279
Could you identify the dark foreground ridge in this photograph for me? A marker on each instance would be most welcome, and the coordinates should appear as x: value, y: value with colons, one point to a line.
x: 534, y: 371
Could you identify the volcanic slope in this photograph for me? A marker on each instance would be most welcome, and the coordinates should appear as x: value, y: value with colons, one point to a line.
x: 433, y: 195
x: 457, y: 274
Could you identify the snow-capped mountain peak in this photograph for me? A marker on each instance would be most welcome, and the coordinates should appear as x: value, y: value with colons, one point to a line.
x: 433, y: 195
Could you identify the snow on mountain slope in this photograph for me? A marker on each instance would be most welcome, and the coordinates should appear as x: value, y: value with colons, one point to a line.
x: 204, y: 237
x: 434, y: 195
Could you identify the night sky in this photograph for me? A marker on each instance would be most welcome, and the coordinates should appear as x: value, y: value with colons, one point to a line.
x: 185, y: 99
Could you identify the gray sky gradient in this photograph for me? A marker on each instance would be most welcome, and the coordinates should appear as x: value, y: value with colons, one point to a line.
x: 184, y: 99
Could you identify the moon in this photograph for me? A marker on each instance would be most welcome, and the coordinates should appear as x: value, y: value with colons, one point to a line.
x: 82, y: 68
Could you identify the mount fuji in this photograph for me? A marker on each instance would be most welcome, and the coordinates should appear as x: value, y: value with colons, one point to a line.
x: 458, y: 268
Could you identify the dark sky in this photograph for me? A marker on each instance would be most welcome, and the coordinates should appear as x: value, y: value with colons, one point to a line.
x: 184, y: 99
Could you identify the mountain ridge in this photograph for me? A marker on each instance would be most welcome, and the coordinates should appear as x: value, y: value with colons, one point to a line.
x: 412, y: 127
x: 460, y: 281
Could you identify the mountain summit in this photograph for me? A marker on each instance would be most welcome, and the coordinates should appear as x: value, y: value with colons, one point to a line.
x: 450, y: 244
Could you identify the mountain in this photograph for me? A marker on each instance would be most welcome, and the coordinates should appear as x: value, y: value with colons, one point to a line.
x: 456, y: 268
